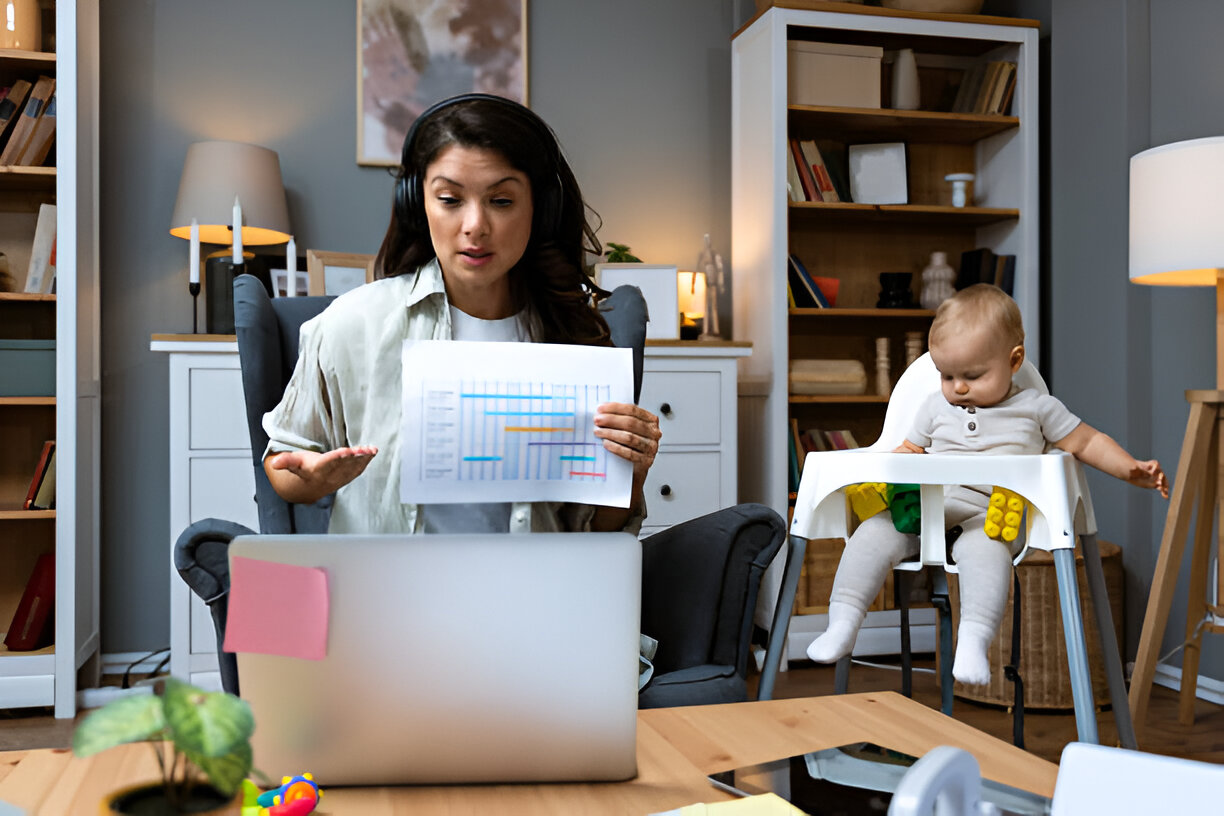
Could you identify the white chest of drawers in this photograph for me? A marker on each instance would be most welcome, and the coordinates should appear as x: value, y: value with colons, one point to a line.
x: 691, y: 386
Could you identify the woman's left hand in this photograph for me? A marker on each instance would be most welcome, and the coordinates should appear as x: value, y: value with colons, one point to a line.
x: 631, y: 432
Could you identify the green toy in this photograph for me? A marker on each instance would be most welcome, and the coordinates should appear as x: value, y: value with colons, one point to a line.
x: 905, y: 504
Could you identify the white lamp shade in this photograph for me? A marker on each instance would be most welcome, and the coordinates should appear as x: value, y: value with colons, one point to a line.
x: 1177, y: 213
x: 214, y: 173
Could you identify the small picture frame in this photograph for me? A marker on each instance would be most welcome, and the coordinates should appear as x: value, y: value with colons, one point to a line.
x: 280, y: 280
x: 877, y: 173
x: 659, y: 287
x: 334, y: 273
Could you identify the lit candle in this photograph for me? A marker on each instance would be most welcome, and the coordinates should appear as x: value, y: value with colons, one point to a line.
x: 237, y: 232
x: 193, y: 271
x: 291, y: 267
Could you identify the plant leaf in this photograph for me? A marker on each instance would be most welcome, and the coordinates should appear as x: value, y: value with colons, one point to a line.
x: 128, y: 719
x: 226, y: 773
x: 206, y: 724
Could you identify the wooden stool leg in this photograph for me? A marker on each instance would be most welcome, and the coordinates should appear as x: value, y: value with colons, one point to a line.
x: 1190, y: 469
x: 1095, y: 574
x: 1196, y: 592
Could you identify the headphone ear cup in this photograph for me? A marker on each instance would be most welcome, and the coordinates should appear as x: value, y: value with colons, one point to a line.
x: 407, y: 203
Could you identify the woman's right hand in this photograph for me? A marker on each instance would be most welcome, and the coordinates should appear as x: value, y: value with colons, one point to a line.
x: 304, y: 477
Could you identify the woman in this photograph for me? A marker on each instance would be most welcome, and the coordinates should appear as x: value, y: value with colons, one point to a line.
x: 486, y: 242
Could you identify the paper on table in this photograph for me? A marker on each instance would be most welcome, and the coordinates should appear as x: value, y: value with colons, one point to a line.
x: 501, y: 422
x: 277, y: 609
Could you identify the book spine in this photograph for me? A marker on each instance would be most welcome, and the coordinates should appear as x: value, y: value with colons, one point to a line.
x: 30, y: 628
x: 40, y: 470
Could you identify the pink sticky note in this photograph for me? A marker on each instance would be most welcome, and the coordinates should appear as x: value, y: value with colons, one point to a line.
x: 277, y: 609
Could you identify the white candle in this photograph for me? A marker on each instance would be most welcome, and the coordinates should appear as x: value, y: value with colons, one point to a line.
x: 193, y: 271
x: 237, y: 231
x: 291, y: 267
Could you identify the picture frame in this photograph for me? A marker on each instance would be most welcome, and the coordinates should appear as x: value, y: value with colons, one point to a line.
x: 413, y: 53
x: 659, y: 286
x: 280, y: 279
x: 334, y: 273
x: 877, y: 173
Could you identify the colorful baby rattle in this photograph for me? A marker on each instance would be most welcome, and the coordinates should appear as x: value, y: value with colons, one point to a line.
x: 296, y: 796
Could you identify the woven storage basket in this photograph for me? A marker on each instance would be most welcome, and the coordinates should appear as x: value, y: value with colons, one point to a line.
x: 1043, y: 649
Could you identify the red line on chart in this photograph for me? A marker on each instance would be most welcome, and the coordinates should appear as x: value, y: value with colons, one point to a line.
x: 580, y: 473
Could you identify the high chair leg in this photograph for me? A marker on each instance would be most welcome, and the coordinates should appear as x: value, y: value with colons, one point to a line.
x: 901, y: 601
x: 943, y: 612
x: 1109, y: 642
x: 1077, y: 652
x: 841, y: 675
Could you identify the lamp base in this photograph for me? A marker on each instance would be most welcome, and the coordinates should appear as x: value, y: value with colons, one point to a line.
x: 219, y: 273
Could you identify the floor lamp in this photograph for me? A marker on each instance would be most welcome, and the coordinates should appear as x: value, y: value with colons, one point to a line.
x: 1177, y: 239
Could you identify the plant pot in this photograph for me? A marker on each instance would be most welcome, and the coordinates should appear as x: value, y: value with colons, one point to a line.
x: 149, y: 799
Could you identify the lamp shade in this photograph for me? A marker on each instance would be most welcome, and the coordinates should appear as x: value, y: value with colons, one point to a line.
x: 1177, y: 213
x: 214, y: 173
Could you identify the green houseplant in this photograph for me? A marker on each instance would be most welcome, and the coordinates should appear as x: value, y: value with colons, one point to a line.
x: 619, y: 253
x: 201, y: 739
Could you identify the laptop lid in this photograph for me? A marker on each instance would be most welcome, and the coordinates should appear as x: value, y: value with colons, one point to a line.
x: 455, y: 658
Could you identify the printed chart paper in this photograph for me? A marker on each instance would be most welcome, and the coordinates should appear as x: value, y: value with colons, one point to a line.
x: 502, y: 422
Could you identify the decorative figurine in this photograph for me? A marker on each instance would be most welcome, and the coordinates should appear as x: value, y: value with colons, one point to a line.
x: 883, y: 366
x: 937, y: 281
x: 895, y: 291
x: 960, y: 188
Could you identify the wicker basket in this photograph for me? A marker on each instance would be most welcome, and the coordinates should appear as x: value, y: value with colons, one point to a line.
x: 1043, y: 649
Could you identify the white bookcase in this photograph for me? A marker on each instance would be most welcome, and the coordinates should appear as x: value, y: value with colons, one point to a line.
x: 48, y: 677
x: 854, y: 242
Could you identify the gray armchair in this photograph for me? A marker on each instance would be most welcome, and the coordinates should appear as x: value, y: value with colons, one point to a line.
x: 700, y: 578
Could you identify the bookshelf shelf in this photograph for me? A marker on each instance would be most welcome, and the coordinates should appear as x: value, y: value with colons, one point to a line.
x: 23, y: 297
x: 837, y: 399
x: 26, y: 515
x: 906, y: 213
x: 836, y: 312
x: 882, y: 124
x: 10, y: 401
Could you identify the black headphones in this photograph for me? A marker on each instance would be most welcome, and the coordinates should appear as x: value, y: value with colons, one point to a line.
x: 410, y: 187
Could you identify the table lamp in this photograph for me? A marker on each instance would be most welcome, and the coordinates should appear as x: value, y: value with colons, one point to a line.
x: 691, y: 295
x: 1177, y: 239
x: 229, y: 193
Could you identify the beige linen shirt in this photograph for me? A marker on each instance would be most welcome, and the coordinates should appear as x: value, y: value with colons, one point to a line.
x: 346, y: 391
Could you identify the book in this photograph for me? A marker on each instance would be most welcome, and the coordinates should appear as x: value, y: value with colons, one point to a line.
x: 816, y: 439
x: 790, y: 295
x: 1005, y: 273
x: 31, y: 627
x: 810, y: 191
x: 41, y: 273
x: 797, y: 441
x: 990, y: 79
x: 10, y: 106
x: 803, y: 298
x: 794, y: 463
x: 837, y: 164
x: 794, y: 185
x: 1007, y: 74
x: 40, y: 470
x: 44, y: 499
x: 966, y: 95
x: 1008, y: 93
x: 977, y: 266
x: 824, y: 182
x: 809, y: 284
x: 39, y: 95
x: 43, y: 134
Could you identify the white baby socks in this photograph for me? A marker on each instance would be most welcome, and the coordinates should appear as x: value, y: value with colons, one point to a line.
x: 971, y: 665
x: 837, y: 640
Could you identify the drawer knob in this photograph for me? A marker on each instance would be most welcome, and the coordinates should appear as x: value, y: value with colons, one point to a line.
x: 665, y: 409
x: 665, y: 490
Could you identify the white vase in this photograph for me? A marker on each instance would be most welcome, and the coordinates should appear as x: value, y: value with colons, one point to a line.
x: 905, y: 81
x: 937, y: 281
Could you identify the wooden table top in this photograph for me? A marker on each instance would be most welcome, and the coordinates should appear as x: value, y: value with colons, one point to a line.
x: 676, y: 748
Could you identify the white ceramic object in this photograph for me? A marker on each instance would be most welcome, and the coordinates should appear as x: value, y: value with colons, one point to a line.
x: 905, y: 81
x: 937, y: 281
x: 960, y: 188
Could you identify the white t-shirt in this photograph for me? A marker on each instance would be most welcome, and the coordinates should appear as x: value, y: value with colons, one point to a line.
x: 478, y: 517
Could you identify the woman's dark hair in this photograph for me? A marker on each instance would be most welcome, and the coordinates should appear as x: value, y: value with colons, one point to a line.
x: 550, y: 280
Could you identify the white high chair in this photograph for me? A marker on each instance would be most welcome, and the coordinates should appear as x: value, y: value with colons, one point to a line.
x: 1060, y: 510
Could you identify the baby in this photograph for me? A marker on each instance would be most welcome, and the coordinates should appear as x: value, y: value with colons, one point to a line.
x: 977, y: 344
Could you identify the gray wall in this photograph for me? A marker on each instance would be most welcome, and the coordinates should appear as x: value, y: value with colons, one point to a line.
x: 638, y: 92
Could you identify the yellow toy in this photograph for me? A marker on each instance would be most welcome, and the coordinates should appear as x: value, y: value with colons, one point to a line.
x: 867, y: 498
x: 1005, y: 514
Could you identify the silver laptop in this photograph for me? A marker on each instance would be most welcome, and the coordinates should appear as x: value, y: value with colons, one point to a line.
x: 456, y: 658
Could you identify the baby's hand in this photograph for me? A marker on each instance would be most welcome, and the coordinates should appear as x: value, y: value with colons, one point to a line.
x: 1150, y: 474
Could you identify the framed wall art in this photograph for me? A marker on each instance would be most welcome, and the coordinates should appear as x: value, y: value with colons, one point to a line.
x: 413, y: 53
x: 334, y: 273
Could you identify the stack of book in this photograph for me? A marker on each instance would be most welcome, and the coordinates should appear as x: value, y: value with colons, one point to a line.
x: 988, y: 87
x: 27, y: 122
x: 807, y: 291
x: 827, y: 377
x: 813, y: 175
x: 984, y: 266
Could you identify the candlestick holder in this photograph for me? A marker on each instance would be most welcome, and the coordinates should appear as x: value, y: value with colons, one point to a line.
x: 194, y: 288
x: 219, y: 273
